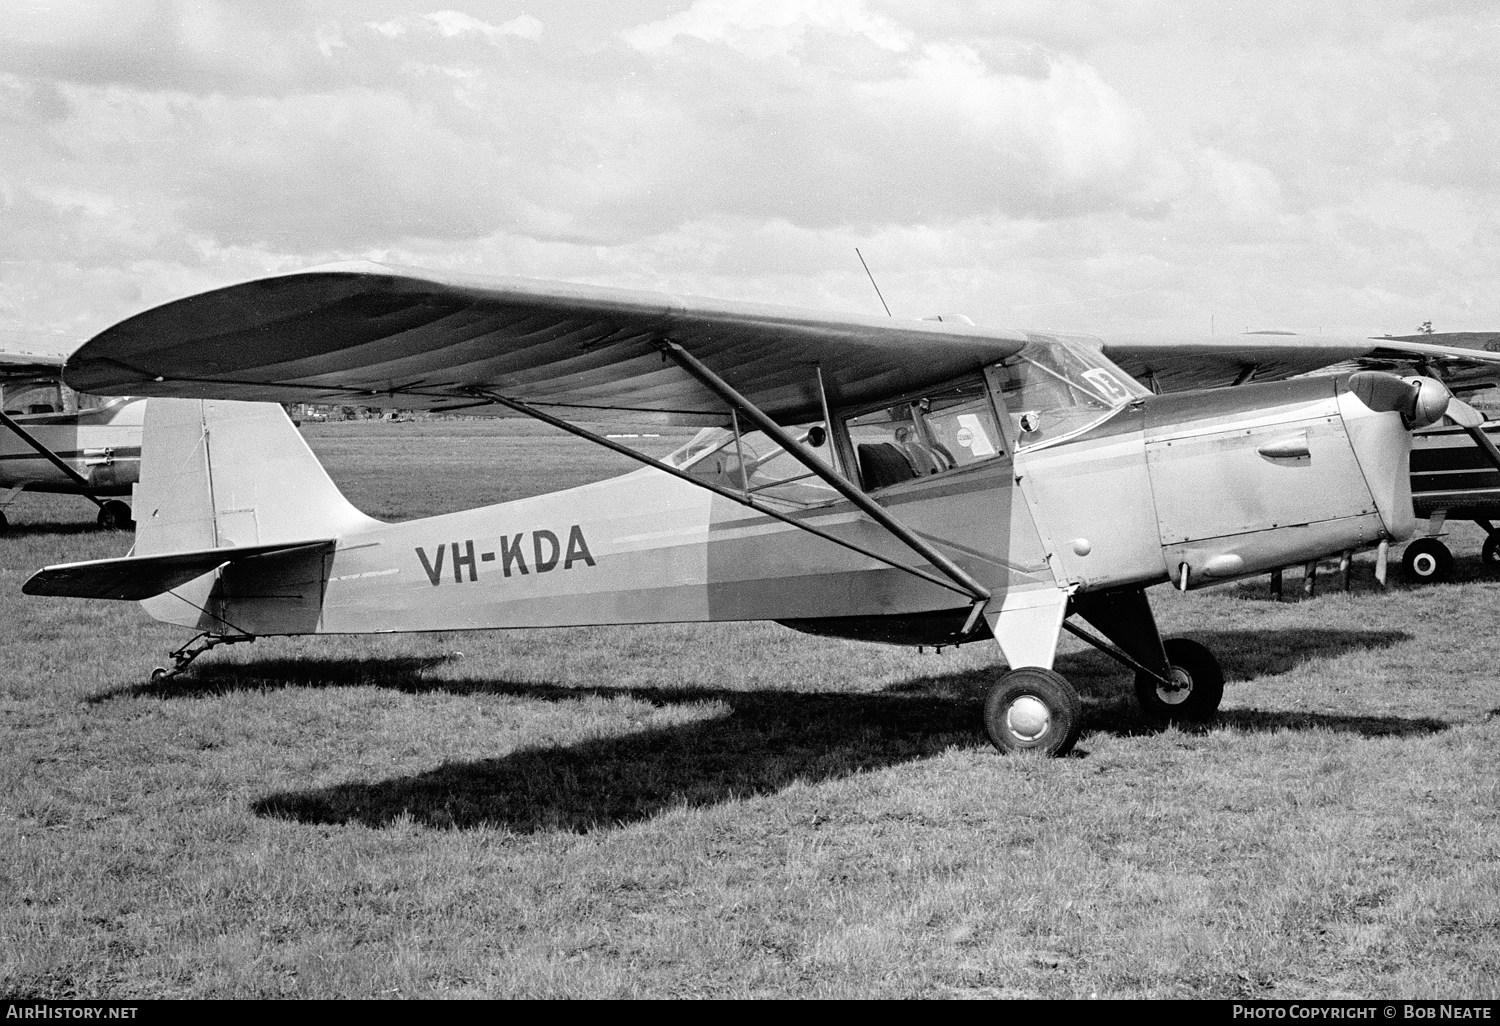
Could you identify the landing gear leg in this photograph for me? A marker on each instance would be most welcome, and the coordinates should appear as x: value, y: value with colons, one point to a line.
x: 1175, y: 681
x: 1031, y: 708
x: 192, y: 650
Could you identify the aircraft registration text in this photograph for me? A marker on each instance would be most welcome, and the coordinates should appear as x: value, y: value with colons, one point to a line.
x: 545, y: 553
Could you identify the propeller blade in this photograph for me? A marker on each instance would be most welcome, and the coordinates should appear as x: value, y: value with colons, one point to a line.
x: 1462, y: 414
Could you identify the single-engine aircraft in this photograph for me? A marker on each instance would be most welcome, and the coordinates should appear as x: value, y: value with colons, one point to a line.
x: 94, y: 453
x: 921, y: 482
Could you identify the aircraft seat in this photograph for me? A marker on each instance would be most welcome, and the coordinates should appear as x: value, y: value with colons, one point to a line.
x: 882, y: 464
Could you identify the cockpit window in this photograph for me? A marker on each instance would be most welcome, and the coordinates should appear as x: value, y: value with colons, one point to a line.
x: 1056, y: 387
x: 757, y: 464
x: 952, y: 426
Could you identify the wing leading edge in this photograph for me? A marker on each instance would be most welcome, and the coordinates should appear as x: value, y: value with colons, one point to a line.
x: 375, y: 335
x: 383, y: 336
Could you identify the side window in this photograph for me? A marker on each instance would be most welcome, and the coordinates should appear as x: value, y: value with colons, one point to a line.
x: 758, y: 464
x: 950, y: 427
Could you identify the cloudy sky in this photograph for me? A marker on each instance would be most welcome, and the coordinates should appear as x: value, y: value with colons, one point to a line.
x: 1075, y: 164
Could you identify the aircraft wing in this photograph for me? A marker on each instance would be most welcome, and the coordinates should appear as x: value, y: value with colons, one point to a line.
x: 31, y: 356
x: 1211, y: 361
x: 133, y: 578
x: 373, y: 335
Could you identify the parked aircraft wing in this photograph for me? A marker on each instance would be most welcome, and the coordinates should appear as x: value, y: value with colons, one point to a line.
x: 30, y: 355
x: 1174, y: 364
x: 373, y: 335
x: 134, y: 578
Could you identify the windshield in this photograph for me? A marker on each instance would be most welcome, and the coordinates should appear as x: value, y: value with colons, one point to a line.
x: 1056, y: 386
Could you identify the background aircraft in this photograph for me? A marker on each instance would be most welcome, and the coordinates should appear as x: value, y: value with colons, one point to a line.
x: 911, y: 482
x: 92, y: 452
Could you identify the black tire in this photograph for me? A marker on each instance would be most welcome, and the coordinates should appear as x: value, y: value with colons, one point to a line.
x: 1427, y: 561
x: 1033, y: 710
x: 1490, y: 553
x: 1200, y: 690
x: 4, y: 524
x: 114, y: 515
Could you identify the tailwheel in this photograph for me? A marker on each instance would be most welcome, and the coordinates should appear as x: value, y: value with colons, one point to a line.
x: 1427, y: 561
x: 1196, y: 685
x: 183, y: 657
x: 1490, y: 553
x: 114, y: 515
x: 1033, y: 710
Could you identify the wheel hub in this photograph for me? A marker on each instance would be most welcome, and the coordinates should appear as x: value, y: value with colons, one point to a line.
x: 1178, y: 691
x: 1028, y: 718
x: 1425, y: 564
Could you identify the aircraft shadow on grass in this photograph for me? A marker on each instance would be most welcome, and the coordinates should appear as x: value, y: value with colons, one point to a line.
x: 765, y: 741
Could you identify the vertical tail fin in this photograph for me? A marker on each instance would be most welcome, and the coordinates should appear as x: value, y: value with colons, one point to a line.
x: 216, y: 474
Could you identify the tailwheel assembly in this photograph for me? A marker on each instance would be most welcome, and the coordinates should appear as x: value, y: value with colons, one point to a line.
x: 1428, y: 561
x: 1191, y: 690
x: 183, y: 656
x: 1033, y: 710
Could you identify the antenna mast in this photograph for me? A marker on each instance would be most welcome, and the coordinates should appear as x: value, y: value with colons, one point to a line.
x: 872, y: 279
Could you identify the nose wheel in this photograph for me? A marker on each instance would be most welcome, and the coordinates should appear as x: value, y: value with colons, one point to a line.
x: 1033, y: 710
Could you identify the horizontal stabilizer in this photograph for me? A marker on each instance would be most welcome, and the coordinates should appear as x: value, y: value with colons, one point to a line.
x: 134, y: 578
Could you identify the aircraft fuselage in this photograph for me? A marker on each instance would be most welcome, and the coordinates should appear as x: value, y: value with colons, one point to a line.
x: 102, y: 444
x: 1227, y: 483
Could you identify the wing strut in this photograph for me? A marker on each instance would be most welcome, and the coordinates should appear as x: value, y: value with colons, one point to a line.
x: 56, y: 460
x: 743, y: 499
x: 966, y: 584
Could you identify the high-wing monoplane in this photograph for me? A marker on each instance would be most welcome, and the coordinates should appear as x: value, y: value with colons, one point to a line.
x: 91, y: 452
x: 923, y: 482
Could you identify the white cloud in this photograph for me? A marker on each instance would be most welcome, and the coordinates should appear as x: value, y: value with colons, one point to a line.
x: 765, y: 28
x: 452, y: 24
x: 1078, y: 163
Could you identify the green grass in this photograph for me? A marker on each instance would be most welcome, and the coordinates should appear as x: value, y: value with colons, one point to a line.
x: 735, y: 809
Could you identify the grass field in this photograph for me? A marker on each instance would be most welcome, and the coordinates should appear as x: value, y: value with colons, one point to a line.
x: 732, y: 810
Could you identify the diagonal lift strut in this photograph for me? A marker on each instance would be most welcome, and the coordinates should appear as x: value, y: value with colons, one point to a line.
x: 55, y: 459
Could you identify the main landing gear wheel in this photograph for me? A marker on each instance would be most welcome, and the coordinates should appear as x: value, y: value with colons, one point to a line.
x: 114, y: 515
x: 1490, y: 553
x: 4, y: 524
x: 1196, y: 690
x: 1427, y: 561
x: 1033, y: 710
